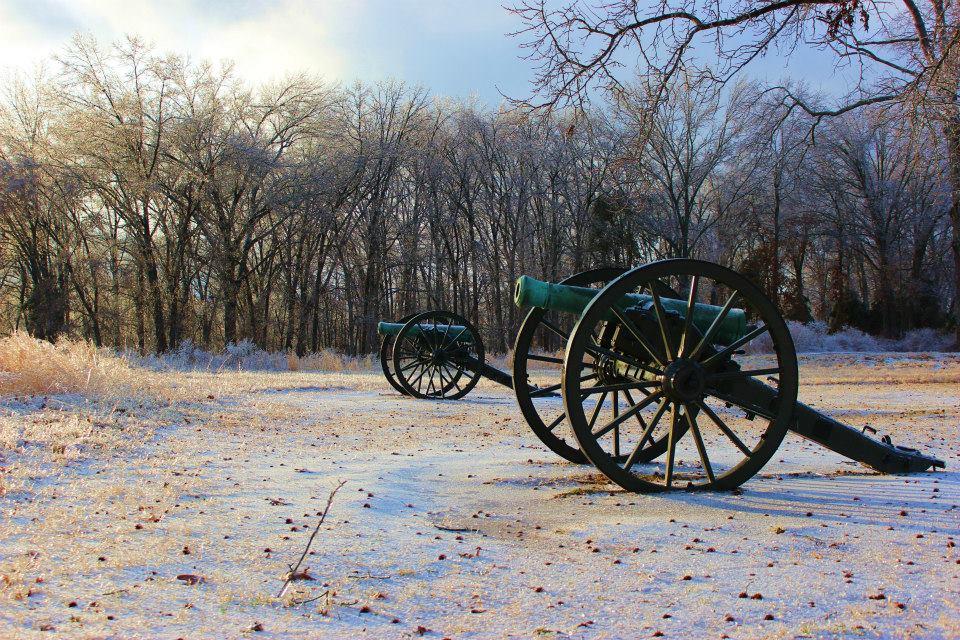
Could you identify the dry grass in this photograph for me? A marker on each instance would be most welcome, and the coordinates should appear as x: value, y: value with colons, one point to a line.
x: 890, y: 368
x: 327, y: 360
x: 66, y: 401
x: 69, y: 401
x: 29, y: 367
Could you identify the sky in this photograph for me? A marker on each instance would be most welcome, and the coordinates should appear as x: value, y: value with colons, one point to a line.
x: 456, y: 48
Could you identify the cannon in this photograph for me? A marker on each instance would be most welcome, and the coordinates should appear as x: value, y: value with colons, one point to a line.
x: 434, y: 355
x: 665, y: 353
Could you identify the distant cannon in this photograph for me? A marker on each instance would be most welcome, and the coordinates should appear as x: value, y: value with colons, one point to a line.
x: 435, y: 355
x: 661, y: 349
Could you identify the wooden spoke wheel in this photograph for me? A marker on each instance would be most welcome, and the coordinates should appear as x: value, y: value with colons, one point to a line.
x: 386, y: 357
x: 437, y: 355
x: 542, y: 336
x: 683, y: 360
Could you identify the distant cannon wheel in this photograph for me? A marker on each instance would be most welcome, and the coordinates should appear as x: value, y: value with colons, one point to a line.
x: 685, y: 358
x: 437, y: 355
x: 386, y: 357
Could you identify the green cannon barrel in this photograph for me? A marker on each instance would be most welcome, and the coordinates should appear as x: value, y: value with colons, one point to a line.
x: 530, y: 292
x: 393, y: 328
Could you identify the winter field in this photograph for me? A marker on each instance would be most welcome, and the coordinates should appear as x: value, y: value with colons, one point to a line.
x: 140, y: 500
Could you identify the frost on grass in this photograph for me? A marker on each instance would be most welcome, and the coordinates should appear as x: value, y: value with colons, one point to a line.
x: 246, y: 356
x: 66, y: 401
x: 457, y: 522
x: 814, y: 337
x: 29, y: 366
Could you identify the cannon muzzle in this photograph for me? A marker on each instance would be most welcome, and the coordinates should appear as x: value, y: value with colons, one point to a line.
x: 530, y: 292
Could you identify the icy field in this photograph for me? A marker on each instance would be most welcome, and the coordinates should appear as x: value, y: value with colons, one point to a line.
x: 456, y: 523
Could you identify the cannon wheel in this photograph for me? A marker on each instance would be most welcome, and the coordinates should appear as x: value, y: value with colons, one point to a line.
x: 428, y: 359
x: 554, y: 431
x: 689, y: 378
x: 386, y: 357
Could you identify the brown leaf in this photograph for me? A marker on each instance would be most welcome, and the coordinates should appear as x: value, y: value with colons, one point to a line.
x: 298, y: 575
x: 190, y: 578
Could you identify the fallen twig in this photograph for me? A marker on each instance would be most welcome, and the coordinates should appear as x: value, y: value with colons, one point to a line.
x: 455, y: 529
x: 291, y: 575
x: 325, y: 593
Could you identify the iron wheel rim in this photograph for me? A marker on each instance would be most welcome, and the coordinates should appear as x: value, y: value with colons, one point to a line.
x: 445, y: 378
x: 386, y: 357
x: 681, y: 410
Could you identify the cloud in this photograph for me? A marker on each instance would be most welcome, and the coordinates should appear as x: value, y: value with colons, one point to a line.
x: 27, y: 42
x: 290, y: 37
x: 451, y: 47
x: 266, y: 39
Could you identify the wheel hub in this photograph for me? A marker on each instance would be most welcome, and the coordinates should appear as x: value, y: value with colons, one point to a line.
x: 684, y: 381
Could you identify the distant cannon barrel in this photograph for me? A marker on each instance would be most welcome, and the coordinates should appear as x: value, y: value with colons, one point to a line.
x: 530, y: 292
x: 458, y: 332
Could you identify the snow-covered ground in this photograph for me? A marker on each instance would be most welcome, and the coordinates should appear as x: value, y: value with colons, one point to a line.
x: 455, y: 522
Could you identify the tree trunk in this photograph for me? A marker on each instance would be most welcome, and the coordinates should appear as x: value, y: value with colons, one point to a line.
x: 138, y: 310
x: 46, y: 307
x: 775, y: 245
x: 231, y: 293
x: 838, y: 288
x: 952, y: 135
x: 888, y: 323
x: 156, y: 302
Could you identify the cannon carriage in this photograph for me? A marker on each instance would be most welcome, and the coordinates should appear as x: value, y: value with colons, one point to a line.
x: 660, y: 384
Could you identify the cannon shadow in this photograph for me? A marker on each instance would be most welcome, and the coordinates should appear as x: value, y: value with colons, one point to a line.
x: 863, y: 499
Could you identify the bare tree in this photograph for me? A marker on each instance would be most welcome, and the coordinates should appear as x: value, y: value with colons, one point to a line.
x: 149, y: 202
x: 32, y: 203
x: 908, y: 53
x: 682, y: 146
x: 122, y: 101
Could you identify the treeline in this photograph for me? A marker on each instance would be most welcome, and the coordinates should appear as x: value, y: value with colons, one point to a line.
x: 146, y: 201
